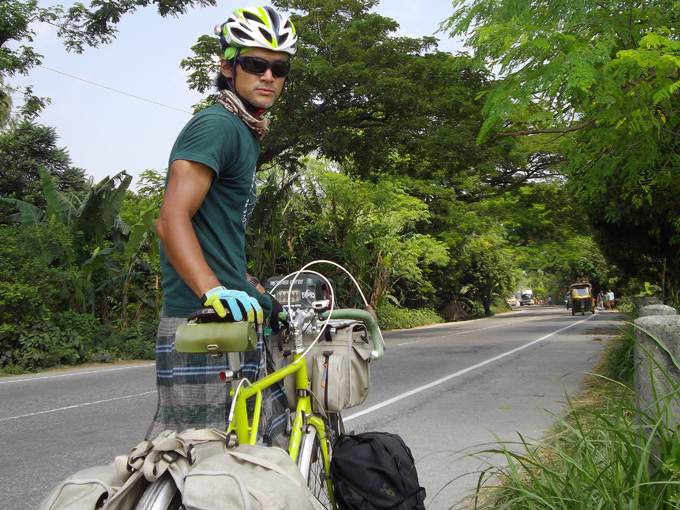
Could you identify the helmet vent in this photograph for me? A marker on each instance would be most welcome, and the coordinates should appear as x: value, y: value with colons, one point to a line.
x: 241, y: 34
x: 252, y: 16
x: 266, y: 35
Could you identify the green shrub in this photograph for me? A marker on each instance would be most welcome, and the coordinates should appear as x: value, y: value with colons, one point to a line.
x: 393, y: 317
x: 71, y: 338
x: 47, y: 343
x: 625, y: 304
x: 137, y: 341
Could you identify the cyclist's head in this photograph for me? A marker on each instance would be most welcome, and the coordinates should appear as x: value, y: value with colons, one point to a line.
x: 265, y: 34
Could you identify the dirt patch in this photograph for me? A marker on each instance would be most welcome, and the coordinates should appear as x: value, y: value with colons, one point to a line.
x: 454, y: 312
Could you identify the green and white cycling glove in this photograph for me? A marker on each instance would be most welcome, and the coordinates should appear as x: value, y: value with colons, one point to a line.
x: 239, y: 303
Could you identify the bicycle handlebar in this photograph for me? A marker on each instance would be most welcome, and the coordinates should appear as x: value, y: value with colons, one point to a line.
x: 369, y: 322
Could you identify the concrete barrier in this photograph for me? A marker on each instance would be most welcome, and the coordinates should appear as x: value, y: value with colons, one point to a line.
x: 640, y: 302
x: 659, y: 309
x: 657, y: 368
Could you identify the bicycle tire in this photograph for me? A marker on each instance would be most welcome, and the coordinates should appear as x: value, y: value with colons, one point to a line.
x: 310, y: 462
x: 336, y: 426
x: 161, y: 495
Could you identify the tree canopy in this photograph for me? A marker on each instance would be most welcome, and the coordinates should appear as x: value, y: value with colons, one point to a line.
x: 22, y: 151
x: 603, y: 79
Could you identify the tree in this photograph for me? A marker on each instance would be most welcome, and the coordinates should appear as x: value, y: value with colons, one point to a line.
x: 367, y: 227
x: 136, y: 264
x: 602, y: 78
x: 90, y: 221
x: 23, y: 150
x: 486, y: 266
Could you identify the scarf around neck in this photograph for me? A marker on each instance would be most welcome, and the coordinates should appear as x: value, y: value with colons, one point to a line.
x: 232, y: 103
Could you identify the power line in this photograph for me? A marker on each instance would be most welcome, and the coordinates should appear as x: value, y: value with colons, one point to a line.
x: 114, y: 90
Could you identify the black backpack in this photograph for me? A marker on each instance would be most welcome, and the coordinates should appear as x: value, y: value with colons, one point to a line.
x: 375, y: 470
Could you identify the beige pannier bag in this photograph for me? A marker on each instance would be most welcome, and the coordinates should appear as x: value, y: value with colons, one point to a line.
x: 119, y: 485
x: 93, y: 487
x: 337, y: 366
x: 248, y: 477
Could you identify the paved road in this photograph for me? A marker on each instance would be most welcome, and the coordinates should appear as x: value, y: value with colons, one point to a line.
x: 443, y: 388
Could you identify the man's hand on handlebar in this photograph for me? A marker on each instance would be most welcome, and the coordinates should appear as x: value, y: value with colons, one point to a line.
x: 239, y: 304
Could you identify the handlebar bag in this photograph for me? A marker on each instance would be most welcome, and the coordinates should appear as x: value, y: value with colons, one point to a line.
x: 338, y: 366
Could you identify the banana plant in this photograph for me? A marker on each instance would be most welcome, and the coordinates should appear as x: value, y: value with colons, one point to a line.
x: 140, y: 241
x: 92, y: 217
x: 98, y: 211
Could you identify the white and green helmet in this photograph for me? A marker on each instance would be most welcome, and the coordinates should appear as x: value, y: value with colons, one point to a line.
x: 257, y: 27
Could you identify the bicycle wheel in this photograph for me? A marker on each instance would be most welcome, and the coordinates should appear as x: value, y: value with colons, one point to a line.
x: 310, y: 462
x: 161, y: 495
x: 336, y: 426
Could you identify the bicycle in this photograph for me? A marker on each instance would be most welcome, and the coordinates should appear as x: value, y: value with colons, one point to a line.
x: 312, y: 432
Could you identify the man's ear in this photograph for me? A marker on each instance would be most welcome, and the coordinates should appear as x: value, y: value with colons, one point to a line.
x: 226, y: 67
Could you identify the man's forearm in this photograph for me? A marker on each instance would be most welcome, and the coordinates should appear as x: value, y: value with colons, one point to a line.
x: 186, y: 256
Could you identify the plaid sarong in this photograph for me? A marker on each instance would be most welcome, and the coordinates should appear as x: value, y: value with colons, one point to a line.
x: 191, y: 395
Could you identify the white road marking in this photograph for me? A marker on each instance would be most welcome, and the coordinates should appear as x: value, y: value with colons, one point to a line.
x: 453, y: 334
x: 456, y: 374
x: 76, y: 406
x: 74, y: 373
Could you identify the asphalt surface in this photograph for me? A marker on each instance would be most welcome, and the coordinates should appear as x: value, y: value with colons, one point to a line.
x: 446, y: 389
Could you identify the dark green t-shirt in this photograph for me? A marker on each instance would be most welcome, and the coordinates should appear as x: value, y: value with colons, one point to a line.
x: 224, y: 143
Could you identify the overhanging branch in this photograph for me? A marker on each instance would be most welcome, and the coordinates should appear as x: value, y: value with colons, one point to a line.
x: 550, y: 130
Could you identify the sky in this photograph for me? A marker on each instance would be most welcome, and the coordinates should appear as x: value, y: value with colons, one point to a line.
x: 121, y: 106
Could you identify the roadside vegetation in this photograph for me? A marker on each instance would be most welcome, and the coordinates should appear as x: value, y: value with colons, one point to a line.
x: 595, y: 455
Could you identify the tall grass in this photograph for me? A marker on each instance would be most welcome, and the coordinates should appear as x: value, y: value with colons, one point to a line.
x: 596, y: 456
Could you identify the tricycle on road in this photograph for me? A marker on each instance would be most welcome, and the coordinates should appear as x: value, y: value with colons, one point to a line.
x: 581, y: 295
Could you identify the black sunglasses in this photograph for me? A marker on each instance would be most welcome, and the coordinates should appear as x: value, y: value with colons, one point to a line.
x: 257, y: 65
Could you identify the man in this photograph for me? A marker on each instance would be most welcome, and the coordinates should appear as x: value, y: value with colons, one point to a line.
x: 209, y: 196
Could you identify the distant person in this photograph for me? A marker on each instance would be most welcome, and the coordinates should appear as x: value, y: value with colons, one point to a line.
x: 605, y: 300
x: 600, y: 300
x: 487, y: 306
x: 612, y: 302
x: 549, y: 300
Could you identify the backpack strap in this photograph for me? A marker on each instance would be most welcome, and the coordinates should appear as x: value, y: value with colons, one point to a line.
x: 175, y: 452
